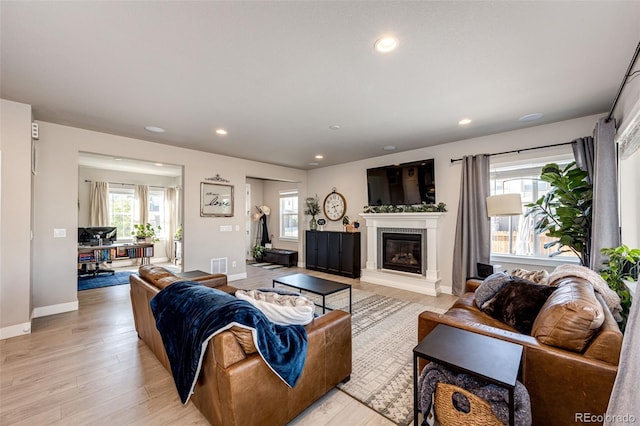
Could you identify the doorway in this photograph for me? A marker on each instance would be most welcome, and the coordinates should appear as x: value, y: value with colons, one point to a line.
x: 138, y: 192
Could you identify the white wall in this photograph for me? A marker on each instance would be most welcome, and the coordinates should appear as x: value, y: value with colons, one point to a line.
x: 350, y: 179
x: 56, y: 191
x: 15, y: 219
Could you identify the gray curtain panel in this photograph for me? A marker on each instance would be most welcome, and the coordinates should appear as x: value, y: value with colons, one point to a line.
x: 583, y: 153
x: 598, y: 157
x: 473, y: 233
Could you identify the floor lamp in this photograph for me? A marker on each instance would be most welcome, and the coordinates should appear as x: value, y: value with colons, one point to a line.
x: 505, y: 205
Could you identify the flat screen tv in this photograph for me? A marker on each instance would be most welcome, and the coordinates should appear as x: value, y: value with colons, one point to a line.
x: 397, y: 184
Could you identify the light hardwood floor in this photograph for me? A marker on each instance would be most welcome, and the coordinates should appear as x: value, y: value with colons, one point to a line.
x: 89, y: 368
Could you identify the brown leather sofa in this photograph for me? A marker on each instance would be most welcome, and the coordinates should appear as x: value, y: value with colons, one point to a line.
x: 239, y: 389
x: 562, y: 384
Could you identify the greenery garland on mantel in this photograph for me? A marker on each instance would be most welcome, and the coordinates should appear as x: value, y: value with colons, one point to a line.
x: 406, y: 208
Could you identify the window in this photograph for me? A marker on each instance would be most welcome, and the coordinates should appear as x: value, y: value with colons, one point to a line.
x: 515, y: 235
x: 289, y: 215
x: 122, y: 212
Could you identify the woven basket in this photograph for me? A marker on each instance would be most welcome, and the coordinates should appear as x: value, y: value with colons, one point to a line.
x: 479, y: 414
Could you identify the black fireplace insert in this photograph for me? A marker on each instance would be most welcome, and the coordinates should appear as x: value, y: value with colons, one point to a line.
x: 402, y: 252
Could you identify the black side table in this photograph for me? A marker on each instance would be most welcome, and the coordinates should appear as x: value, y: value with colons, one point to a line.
x: 493, y: 360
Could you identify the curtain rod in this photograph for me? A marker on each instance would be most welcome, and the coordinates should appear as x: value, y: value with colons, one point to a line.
x: 518, y: 151
x: 624, y: 81
x: 121, y: 183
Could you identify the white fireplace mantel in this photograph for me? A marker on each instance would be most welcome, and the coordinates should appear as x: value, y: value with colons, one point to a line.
x: 429, y: 283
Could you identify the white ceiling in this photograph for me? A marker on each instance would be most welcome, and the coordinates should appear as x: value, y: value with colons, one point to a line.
x: 276, y: 75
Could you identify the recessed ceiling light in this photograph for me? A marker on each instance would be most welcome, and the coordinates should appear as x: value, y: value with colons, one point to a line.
x: 159, y: 164
x: 531, y: 117
x: 335, y: 127
x: 313, y: 164
x: 117, y: 159
x: 464, y: 121
x: 386, y: 44
x: 221, y: 131
x: 154, y: 129
x: 389, y: 148
x: 319, y: 157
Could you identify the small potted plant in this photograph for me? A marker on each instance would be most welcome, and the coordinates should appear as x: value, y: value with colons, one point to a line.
x: 178, y: 234
x: 258, y: 252
x: 347, y: 225
x: 146, y: 233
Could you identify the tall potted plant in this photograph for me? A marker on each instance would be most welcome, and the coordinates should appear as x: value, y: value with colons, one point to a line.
x: 312, y: 208
x: 564, y: 212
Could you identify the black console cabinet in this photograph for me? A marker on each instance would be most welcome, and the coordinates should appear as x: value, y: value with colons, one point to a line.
x: 333, y: 252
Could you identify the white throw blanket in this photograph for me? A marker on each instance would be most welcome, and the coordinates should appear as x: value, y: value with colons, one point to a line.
x: 610, y: 297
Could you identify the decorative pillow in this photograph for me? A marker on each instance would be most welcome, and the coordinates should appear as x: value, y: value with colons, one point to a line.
x: 280, y: 309
x: 518, y: 303
x: 570, y: 317
x: 490, y: 286
x: 539, y: 277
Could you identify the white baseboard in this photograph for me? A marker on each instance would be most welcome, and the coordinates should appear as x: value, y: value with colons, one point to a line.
x: 44, y: 311
x: 15, y: 330
x: 236, y: 277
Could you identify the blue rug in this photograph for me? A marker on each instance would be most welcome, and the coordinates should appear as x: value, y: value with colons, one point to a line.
x: 104, y: 280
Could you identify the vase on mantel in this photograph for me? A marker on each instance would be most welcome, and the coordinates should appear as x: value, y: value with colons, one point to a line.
x: 313, y: 223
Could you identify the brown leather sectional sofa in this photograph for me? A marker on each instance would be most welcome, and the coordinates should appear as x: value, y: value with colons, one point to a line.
x: 239, y: 389
x: 563, y: 385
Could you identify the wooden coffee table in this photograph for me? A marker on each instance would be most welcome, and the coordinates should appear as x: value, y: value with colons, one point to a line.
x: 494, y: 360
x: 314, y: 285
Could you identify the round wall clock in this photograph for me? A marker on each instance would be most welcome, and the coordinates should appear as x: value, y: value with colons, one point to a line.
x: 335, y: 205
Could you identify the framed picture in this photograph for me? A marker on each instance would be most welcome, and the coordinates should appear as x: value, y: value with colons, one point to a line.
x: 216, y: 199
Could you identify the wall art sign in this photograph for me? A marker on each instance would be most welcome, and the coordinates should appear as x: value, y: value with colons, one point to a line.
x: 216, y: 200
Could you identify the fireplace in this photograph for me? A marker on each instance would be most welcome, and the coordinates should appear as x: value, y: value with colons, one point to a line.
x: 402, y: 252
x: 416, y: 231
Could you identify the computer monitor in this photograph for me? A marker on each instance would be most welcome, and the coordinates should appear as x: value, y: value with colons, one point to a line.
x: 84, y: 236
x: 95, y: 235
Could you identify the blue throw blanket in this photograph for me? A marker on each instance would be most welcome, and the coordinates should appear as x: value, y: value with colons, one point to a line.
x: 188, y: 315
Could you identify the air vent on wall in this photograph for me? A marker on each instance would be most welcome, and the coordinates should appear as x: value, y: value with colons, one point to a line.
x: 219, y: 265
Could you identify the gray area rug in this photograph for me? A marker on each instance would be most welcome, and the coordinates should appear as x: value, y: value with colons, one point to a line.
x: 385, y: 331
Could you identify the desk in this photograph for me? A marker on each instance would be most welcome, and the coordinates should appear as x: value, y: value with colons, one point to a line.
x: 95, y: 255
x: 493, y: 360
